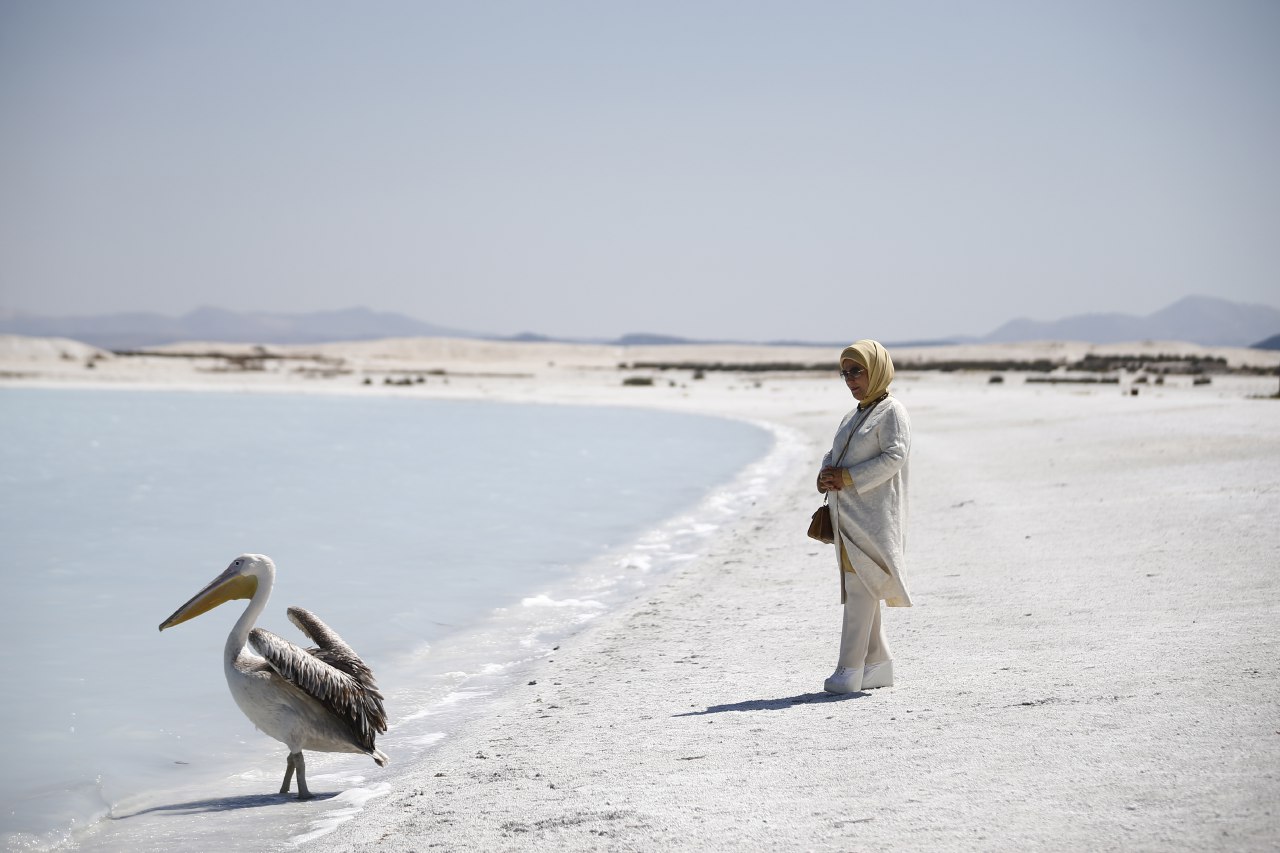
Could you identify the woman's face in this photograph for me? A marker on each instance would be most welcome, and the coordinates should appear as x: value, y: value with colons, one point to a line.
x: 855, y: 378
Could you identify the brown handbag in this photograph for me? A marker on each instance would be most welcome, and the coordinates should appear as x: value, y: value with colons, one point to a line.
x: 820, y: 525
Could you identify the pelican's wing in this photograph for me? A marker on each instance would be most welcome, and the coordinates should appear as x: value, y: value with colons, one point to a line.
x: 357, y: 705
x: 333, y: 650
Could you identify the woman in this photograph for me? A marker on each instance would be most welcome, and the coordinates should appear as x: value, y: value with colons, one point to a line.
x: 864, y: 476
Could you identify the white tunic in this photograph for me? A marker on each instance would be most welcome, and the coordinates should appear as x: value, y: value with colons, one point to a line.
x: 870, y: 517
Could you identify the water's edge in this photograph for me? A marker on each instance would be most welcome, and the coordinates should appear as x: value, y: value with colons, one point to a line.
x: 647, y: 562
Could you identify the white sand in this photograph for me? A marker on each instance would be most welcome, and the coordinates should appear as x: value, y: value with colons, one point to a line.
x: 1091, y: 664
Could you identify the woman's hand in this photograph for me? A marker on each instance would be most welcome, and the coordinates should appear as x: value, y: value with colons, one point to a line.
x: 830, y: 480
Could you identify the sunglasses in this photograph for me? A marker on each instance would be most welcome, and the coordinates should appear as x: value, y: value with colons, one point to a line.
x: 853, y: 374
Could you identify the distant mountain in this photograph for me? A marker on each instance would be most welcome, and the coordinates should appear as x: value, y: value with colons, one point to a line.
x: 1202, y: 320
x: 1272, y: 342
x: 1195, y: 319
x: 649, y: 339
x: 133, y: 331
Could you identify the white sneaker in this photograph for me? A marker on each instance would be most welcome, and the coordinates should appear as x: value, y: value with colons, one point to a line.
x: 845, y: 679
x: 877, y: 675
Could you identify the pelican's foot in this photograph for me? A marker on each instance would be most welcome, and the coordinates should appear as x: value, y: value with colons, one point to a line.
x: 301, y: 766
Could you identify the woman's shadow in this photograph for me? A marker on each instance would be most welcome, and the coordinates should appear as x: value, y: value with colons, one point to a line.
x: 775, y: 704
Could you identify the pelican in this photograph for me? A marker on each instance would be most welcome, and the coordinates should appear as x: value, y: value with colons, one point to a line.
x: 319, y: 699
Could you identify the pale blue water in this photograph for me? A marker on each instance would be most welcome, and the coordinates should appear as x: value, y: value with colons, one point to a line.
x: 446, y: 541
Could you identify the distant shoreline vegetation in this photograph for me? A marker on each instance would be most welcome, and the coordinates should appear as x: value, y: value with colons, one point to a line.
x: 1157, y: 364
x: 1171, y: 364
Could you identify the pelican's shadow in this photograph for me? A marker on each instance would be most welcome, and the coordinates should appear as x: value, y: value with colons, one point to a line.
x: 226, y: 804
x: 774, y: 704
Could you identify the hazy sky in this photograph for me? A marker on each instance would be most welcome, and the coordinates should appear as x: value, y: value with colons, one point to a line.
x: 785, y: 170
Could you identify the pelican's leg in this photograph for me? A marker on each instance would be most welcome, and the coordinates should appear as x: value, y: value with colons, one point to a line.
x: 301, y: 766
x: 288, y: 775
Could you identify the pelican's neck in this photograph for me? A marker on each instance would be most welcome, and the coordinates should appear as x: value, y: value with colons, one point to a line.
x: 239, y: 635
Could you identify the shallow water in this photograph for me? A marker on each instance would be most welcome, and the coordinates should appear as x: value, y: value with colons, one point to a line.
x: 447, y: 541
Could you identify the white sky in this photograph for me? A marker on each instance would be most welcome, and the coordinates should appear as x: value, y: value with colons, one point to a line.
x: 785, y: 170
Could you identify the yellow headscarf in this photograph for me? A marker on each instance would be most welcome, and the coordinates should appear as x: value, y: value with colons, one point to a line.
x: 873, y: 358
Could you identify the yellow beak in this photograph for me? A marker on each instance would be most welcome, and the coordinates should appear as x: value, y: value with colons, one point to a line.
x: 227, y: 586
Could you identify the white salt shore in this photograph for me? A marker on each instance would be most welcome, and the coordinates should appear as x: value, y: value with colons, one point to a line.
x: 1092, y: 661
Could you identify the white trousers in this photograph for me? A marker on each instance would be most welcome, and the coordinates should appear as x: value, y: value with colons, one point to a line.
x: 862, y: 639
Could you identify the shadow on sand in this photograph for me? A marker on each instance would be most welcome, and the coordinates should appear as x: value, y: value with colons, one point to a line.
x: 224, y: 804
x: 774, y: 704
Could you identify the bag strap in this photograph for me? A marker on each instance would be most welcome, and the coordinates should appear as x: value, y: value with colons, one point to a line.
x: 862, y: 416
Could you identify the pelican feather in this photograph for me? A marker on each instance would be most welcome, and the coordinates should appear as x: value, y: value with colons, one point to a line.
x: 332, y: 674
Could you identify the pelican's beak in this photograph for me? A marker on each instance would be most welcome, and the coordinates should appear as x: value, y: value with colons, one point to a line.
x: 227, y: 586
